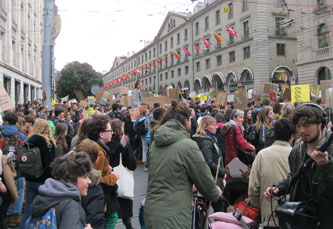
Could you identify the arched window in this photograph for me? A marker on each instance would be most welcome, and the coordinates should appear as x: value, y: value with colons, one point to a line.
x: 324, y: 74
x: 323, y: 36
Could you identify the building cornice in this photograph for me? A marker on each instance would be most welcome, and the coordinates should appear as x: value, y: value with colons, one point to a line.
x: 2, y: 64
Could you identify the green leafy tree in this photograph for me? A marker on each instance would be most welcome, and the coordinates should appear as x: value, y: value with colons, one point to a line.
x: 76, y: 76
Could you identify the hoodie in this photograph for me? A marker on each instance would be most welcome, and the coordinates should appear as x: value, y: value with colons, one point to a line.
x: 65, y: 198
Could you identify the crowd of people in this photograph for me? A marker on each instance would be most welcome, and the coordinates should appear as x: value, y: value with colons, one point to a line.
x: 186, y: 147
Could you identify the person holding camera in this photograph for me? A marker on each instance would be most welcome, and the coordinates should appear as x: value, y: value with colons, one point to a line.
x: 311, y: 185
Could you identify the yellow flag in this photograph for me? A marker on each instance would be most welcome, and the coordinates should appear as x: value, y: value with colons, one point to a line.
x: 53, y: 102
x: 226, y: 9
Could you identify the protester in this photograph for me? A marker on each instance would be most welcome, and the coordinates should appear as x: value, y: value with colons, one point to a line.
x: 175, y: 164
x: 136, y: 94
x: 119, y: 147
x: 42, y: 137
x: 269, y: 167
x: 11, y: 140
x: 93, y: 202
x: 207, y: 142
x: 141, y: 128
x: 59, y: 136
x: 63, y: 192
x: 314, y: 184
x: 264, y: 122
x: 247, y: 119
x: 81, y: 134
x: 99, y: 130
x: 158, y: 115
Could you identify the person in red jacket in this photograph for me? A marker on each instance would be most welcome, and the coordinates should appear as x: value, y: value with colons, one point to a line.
x: 236, y: 188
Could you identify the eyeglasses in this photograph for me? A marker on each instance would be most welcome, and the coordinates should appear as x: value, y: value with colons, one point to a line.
x: 111, y: 131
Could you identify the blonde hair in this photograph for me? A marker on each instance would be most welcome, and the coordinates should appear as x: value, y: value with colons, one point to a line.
x: 42, y: 128
x: 204, y: 123
x: 20, y: 124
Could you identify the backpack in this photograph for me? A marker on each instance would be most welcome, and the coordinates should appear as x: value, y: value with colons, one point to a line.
x: 251, y: 135
x: 47, y: 221
x: 30, y: 162
x: 11, y: 143
x: 142, y: 127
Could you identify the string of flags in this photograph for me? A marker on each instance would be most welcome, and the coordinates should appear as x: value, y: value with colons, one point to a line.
x: 175, y: 54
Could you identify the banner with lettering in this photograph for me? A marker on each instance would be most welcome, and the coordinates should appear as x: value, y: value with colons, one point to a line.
x: 300, y: 93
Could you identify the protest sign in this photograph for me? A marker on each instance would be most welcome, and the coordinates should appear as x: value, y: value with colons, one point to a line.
x: 272, y: 95
x: 329, y: 97
x: 91, y: 99
x: 79, y: 95
x: 105, y: 97
x: 173, y: 94
x: 164, y: 91
x: 287, y: 94
x: 203, y: 97
x: 125, y: 100
x: 300, y: 93
x: 83, y: 103
x: 324, y: 84
x: 145, y: 93
x: 221, y: 97
x: 230, y: 98
x: 269, y: 87
x: 158, y: 99
x: 123, y: 90
x: 5, y: 101
x: 241, y: 98
x: 257, y: 100
x: 99, y: 95
x: 135, y: 112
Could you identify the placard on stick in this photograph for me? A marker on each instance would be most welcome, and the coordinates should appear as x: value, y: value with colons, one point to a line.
x: 287, y: 94
x: 5, y: 101
x: 164, y: 91
x: 99, y: 95
x: 329, y: 97
x: 123, y: 90
x: 241, y: 98
x: 221, y: 97
x: 91, y: 99
x: 79, y: 95
x: 300, y: 93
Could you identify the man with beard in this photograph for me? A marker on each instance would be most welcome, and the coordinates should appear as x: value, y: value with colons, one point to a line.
x: 315, y: 184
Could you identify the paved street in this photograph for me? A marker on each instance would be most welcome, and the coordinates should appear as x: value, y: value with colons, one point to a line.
x: 140, y: 188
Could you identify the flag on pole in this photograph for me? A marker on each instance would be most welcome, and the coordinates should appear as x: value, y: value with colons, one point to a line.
x: 187, y: 52
x: 176, y: 55
x: 231, y: 31
x: 152, y: 64
x: 158, y: 61
x: 138, y: 71
x: 205, y: 42
x: 218, y: 38
x: 165, y: 60
x: 196, y: 47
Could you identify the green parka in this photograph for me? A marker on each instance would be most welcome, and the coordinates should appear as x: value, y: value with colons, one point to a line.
x: 175, y: 164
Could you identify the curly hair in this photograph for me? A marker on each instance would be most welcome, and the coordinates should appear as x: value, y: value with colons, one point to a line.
x: 90, y: 147
x: 71, y: 166
x: 96, y: 126
x: 42, y: 128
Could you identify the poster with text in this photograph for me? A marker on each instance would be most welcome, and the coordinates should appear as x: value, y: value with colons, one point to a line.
x: 300, y: 93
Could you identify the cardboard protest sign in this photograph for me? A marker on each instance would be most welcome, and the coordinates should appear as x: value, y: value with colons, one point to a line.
x: 158, y: 99
x: 329, y: 97
x: 272, y: 95
x: 105, y: 97
x: 324, y: 84
x: 173, y: 94
x: 123, y: 90
x: 145, y: 93
x: 241, y: 98
x: 64, y: 99
x: 203, y: 97
x: 164, y: 91
x: 300, y: 93
x: 79, y: 95
x: 5, y: 101
x: 91, y: 99
x: 125, y: 100
x: 221, y: 97
x: 287, y: 94
x: 257, y: 100
x: 230, y: 98
x: 83, y: 103
x: 99, y: 95
x: 135, y: 112
x: 269, y: 87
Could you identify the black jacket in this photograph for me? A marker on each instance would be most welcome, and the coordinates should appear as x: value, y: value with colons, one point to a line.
x: 93, y: 203
x: 47, y: 153
x: 210, y: 153
x: 127, y: 154
x: 128, y: 128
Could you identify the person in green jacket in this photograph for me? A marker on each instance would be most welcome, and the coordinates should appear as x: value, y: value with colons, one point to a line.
x: 175, y: 165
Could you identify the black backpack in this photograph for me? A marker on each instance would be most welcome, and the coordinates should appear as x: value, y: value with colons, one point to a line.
x: 142, y: 127
x: 11, y: 143
x: 30, y: 162
x: 251, y: 135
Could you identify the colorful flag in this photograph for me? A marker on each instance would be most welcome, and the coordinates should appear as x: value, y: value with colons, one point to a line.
x: 165, y: 60
x: 146, y: 66
x: 218, y: 38
x: 196, y: 47
x: 158, y: 61
x: 231, y: 31
x: 152, y: 64
x: 187, y: 52
x: 226, y: 9
x: 205, y: 42
x: 176, y: 55
x: 138, y: 71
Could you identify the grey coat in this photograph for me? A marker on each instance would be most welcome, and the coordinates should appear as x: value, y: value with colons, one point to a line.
x: 136, y: 98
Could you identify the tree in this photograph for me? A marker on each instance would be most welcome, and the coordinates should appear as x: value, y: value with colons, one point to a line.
x: 76, y: 76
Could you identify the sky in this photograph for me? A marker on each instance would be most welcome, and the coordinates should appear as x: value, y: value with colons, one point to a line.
x: 95, y: 31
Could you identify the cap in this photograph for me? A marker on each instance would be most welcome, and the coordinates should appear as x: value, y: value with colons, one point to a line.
x: 123, y: 109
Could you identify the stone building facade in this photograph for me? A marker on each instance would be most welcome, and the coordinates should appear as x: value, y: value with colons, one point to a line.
x: 261, y: 52
x: 21, y: 40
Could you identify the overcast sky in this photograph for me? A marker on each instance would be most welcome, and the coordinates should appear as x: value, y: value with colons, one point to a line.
x: 97, y: 31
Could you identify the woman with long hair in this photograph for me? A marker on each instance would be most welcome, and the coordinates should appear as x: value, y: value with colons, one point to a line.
x: 207, y: 142
x: 81, y: 133
x: 264, y: 121
x: 41, y: 136
x: 175, y: 164
x: 60, y: 137
x: 119, y: 146
x: 247, y: 118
